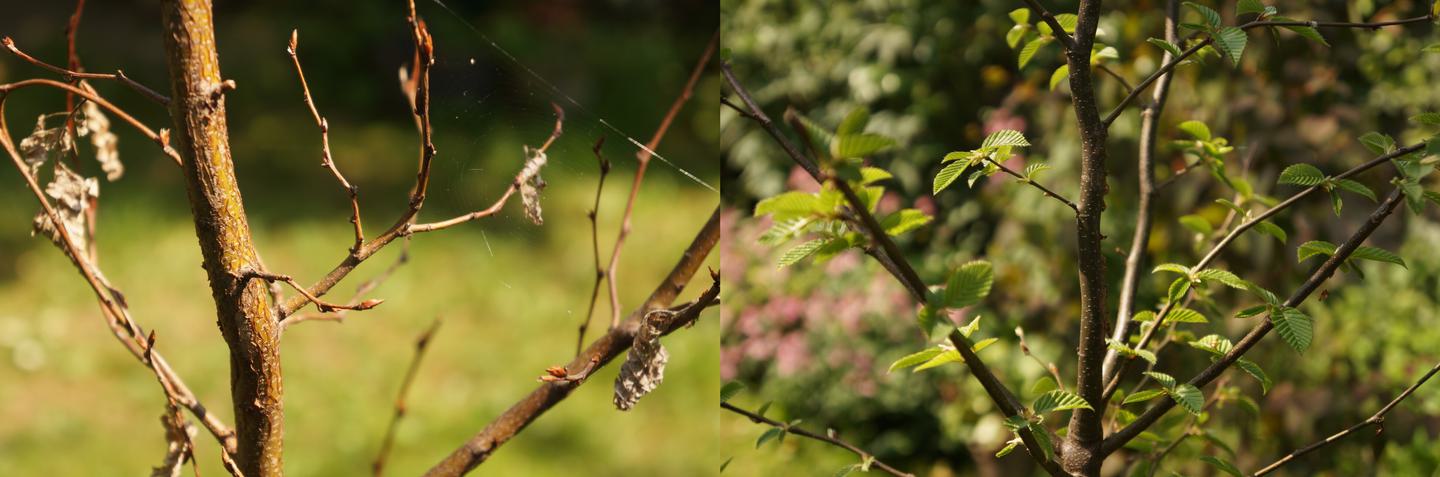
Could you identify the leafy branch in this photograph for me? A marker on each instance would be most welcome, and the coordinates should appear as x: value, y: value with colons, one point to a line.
x: 868, y: 460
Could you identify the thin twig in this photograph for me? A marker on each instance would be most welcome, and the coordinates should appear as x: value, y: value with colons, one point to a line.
x: 422, y: 343
x: 69, y: 76
x: 326, y: 160
x: 1033, y: 183
x: 644, y: 160
x: 161, y: 138
x: 595, y: 241
x: 324, y: 306
x: 365, y: 288
x: 828, y: 438
x: 1377, y: 419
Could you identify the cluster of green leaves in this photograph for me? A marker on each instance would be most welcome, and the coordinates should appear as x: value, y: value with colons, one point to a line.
x: 1231, y: 40
x: 777, y: 434
x: 1040, y: 34
x: 997, y: 147
x: 1033, y: 418
x: 1309, y: 176
x: 825, y: 216
x: 1412, y: 167
x: 1189, y: 397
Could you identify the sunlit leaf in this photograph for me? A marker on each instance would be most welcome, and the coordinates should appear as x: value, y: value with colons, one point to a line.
x: 1295, y: 327
x: 1059, y: 400
x: 1302, y: 174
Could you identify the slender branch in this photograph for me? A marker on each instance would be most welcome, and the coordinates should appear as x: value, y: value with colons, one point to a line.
x: 1230, y: 237
x: 828, y: 438
x: 643, y: 158
x: 1119, y: 108
x: 324, y: 306
x: 162, y: 138
x: 595, y: 242
x: 117, y: 314
x: 604, y: 349
x: 72, y: 57
x: 325, y: 159
x: 70, y: 76
x: 1378, y: 419
x: 1049, y: 19
x: 1145, y: 170
x: 422, y: 343
x: 1119, y: 438
x: 1113, y: 74
x: 890, y: 256
x: 365, y: 288
x: 1032, y: 182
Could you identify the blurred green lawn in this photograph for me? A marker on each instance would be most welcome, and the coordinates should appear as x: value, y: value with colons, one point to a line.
x: 77, y: 404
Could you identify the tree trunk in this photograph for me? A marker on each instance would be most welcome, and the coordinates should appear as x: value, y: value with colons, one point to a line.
x: 242, y: 306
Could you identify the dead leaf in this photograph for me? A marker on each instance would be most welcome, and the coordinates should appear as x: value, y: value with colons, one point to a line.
x: 531, y: 184
x: 72, y: 193
x: 93, y: 122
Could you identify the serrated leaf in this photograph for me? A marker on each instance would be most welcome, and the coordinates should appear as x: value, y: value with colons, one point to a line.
x: 1249, y: 6
x: 1101, y: 52
x: 1313, y: 248
x: 1188, y: 397
x: 914, y: 359
x: 968, y: 284
x: 1167, y: 46
x: 1067, y: 21
x: 730, y: 389
x: 819, y: 135
x: 1231, y: 40
x: 1166, y: 381
x: 1197, y: 224
x: 1215, y: 344
x: 870, y: 175
x: 844, y: 471
x: 1432, y: 119
x: 799, y: 252
x: 947, y: 176
x: 1211, y: 16
x: 1309, y: 33
x: 1196, y: 129
x: 854, y: 122
x: 1058, y: 400
x: 945, y: 357
x: 903, y: 221
x: 769, y: 435
x: 1004, y: 137
x: 1143, y: 396
x: 1265, y: 295
x: 1295, y: 327
x: 1268, y: 228
x: 1377, y: 143
x: 1252, y: 311
x: 859, y: 145
x: 1185, y: 315
x: 789, y: 205
x: 1172, y: 268
x: 1144, y: 316
x: 1042, y: 439
x: 970, y: 328
x: 1020, y: 15
x: 1220, y: 464
x: 1259, y: 374
x: 1009, y: 447
x: 1035, y: 168
x: 1178, y: 289
x: 1030, y: 48
x: 1058, y: 77
x: 1302, y: 174
x: 1365, y: 252
x: 1221, y: 276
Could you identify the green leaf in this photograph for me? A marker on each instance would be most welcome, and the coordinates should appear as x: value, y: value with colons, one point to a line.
x: 819, y: 135
x: 1252, y: 311
x: 1031, y: 48
x: 1302, y: 174
x: 1335, y: 202
x: 789, y: 205
x: 1067, y: 21
x: 1355, y: 187
x: 1222, y: 276
x: 1128, y: 351
x: 1165, y: 380
x: 982, y: 344
x: 1196, y: 129
x: 1032, y: 169
x: 1178, y: 289
x: 1268, y: 228
x: 1309, y: 33
x: 859, y: 145
x: 844, y: 471
x: 1313, y: 248
x: 1172, y: 268
x: 1020, y: 15
x: 1295, y: 327
x: 800, y: 252
x: 1058, y: 400
x: 1058, y: 77
x: 1196, y: 224
x: 1009, y: 447
x: 1167, y: 46
x: 1431, y: 48
x: 930, y: 318
x: 1188, y: 397
x: 1185, y: 315
x: 1377, y: 143
x: 1377, y: 254
x: 854, y: 122
x: 1259, y: 374
x: 1042, y: 439
x: 915, y: 359
x: 945, y: 357
x: 1432, y: 119
x: 968, y: 284
x: 769, y: 435
x: 967, y: 156
x: 1143, y: 316
x: 969, y: 329
x: 870, y: 175
x: 1004, y: 137
x: 730, y: 389
x: 1265, y: 295
x: 947, y: 175
x: 1249, y: 6
x: 1220, y: 464
x: 1101, y: 53
x: 1211, y: 16
x: 1231, y: 40
x: 904, y: 221
x: 763, y: 408
x: 1143, y: 396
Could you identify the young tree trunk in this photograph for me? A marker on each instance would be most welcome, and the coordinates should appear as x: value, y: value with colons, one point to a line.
x: 242, y: 306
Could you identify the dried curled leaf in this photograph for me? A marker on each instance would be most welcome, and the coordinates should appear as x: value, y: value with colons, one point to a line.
x: 92, y: 122
x: 73, y: 194
x: 178, y: 433
x: 644, y: 367
x: 531, y: 184
x: 43, y: 142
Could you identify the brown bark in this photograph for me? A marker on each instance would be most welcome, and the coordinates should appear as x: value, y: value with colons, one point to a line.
x: 242, y: 307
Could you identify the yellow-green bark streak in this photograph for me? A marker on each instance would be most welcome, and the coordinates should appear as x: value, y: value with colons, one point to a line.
x: 243, y: 309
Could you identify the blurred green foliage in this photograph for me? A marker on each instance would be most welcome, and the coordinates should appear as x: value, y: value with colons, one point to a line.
x: 511, y: 293
x: 939, y: 77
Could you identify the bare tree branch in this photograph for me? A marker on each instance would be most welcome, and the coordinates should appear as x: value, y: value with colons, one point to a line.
x: 70, y: 75
x: 595, y: 241
x: 325, y: 160
x: 161, y: 138
x: 422, y: 343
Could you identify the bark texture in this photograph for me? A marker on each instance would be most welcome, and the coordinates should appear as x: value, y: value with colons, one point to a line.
x: 242, y: 306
